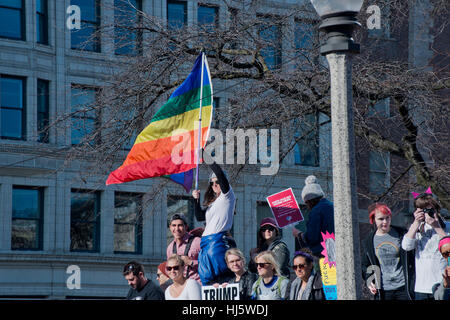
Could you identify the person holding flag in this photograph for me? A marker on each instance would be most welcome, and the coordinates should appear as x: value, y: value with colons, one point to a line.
x: 220, y: 202
x: 167, y: 147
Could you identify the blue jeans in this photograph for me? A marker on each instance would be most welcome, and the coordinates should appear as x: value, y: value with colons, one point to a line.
x: 423, y: 296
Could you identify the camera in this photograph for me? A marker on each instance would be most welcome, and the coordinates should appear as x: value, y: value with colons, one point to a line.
x: 430, y: 212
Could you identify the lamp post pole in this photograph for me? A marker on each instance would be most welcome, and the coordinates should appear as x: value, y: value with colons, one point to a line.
x: 348, y: 261
x: 338, y: 23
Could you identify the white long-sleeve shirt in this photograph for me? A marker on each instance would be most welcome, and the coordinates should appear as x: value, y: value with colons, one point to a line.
x: 429, y: 262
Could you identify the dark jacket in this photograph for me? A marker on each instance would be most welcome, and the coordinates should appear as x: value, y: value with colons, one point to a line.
x: 407, y: 261
x: 245, y: 284
x: 321, y: 220
x: 316, y: 292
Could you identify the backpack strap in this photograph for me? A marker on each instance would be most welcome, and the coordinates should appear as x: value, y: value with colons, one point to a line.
x: 188, y: 246
x: 278, y: 284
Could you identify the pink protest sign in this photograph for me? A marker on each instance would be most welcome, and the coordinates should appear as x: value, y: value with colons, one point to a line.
x: 285, y: 208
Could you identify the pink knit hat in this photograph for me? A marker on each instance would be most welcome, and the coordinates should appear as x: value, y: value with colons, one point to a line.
x: 268, y: 221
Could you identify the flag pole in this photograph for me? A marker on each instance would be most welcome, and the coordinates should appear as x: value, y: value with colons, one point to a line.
x: 199, y: 122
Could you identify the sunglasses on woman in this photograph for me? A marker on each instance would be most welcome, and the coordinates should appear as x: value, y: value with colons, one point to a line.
x: 265, y: 228
x: 299, y: 266
x: 262, y: 264
x: 175, y: 268
x: 214, y: 183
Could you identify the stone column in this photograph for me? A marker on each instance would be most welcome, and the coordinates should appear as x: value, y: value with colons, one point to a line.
x: 348, y: 260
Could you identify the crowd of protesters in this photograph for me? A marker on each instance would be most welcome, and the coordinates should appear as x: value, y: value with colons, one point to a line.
x: 408, y: 264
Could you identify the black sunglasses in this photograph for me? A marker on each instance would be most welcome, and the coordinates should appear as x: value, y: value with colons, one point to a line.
x: 262, y: 264
x: 213, y: 183
x: 299, y: 266
x: 270, y: 228
x: 131, y: 268
x: 175, y: 268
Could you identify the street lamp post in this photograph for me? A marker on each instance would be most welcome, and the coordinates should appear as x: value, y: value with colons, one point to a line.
x: 338, y: 22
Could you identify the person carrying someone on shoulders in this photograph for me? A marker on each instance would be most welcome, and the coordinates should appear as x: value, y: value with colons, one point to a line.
x: 236, y: 263
x: 308, y: 284
x: 384, y: 252
x: 182, y: 288
x: 321, y: 217
x: 423, y: 235
x: 184, y: 244
x: 270, y: 285
x: 220, y: 203
x: 141, y: 287
x: 269, y: 238
x: 441, y: 291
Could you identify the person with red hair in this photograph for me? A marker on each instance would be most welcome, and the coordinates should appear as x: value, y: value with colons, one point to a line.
x: 387, y: 268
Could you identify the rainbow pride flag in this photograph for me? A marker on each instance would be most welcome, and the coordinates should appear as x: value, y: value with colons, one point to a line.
x: 168, y: 145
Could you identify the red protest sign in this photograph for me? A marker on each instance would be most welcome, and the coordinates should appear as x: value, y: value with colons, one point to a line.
x: 285, y: 208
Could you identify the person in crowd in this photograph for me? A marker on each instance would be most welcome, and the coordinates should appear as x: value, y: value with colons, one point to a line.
x: 270, y: 285
x: 441, y: 291
x: 141, y: 287
x: 423, y: 236
x: 162, y: 276
x: 384, y: 251
x: 219, y: 201
x: 321, y: 217
x: 236, y: 263
x: 269, y: 238
x: 184, y: 244
x: 182, y: 288
x: 308, y: 284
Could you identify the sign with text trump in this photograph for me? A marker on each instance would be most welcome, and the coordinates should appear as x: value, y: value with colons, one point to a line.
x: 228, y: 292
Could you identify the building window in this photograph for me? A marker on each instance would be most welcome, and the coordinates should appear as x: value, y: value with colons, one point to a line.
x: 176, y: 14
x: 184, y: 205
x: 87, y: 37
x: 270, y: 37
x: 12, y: 19
x: 127, y: 223
x: 42, y: 110
x: 208, y: 17
x: 128, y: 40
x: 304, y: 42
x: 208, y: 21
x: 378, y: 172
x: 306, y: 150
x: 84, y: 115
x: 27, y: 218
x: 84, y: 221
x: 12, y: 107
x: 42, y: 21
x: 234, y: 24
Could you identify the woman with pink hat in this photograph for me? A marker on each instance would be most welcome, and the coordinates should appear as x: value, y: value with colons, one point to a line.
x: 441, y: 291
x: 269, y: 239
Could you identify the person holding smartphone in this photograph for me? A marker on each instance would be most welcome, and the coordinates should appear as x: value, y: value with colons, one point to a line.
x: 423, y: 235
